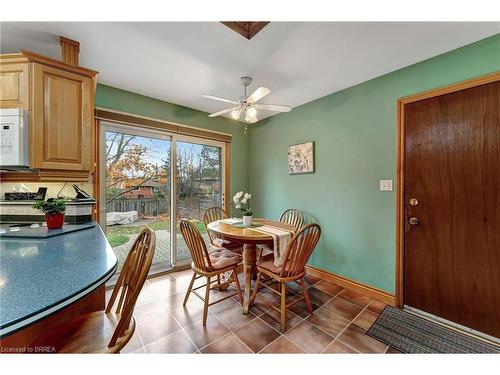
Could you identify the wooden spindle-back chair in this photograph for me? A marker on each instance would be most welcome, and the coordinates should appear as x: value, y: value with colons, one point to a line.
x: 293, y: 217
x: 90, y: 333
x: 293, y: 269
x: 213, y: 214
x: 131, y: 280
x: 208, y: 264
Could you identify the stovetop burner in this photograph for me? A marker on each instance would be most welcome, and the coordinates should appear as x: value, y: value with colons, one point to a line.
x: 20, y: 196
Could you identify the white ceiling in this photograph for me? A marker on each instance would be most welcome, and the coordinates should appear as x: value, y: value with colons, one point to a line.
x: 299, y: 61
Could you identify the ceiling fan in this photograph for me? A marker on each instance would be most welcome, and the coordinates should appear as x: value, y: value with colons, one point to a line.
x: 248, y: 104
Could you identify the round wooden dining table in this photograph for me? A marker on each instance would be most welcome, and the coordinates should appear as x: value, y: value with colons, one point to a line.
x: 250, y: 238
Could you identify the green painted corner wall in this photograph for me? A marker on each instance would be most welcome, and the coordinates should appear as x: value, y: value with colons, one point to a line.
x: 355, y: 137
x: 126, y: 101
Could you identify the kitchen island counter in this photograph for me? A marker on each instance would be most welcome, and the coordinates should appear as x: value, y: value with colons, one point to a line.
x: 41, y: 277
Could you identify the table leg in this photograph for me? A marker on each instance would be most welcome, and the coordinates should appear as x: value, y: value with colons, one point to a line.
x: 249, y: 260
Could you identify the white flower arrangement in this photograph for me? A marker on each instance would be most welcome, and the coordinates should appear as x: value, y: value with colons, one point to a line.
x: 241, y: 201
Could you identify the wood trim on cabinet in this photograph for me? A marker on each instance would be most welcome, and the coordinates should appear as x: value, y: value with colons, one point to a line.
x: 57, y: 175
x: 13, y: 58
x: 156, y: 124
x: 35, y: 57
x: 69, y: 50
x: 353, y: 285
x: 400, y: 177
x: 45, y: 175
x: 31, y: 176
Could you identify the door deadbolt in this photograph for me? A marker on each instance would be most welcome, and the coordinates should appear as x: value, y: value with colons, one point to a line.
x: 413, y: 201
x: 413, y: 221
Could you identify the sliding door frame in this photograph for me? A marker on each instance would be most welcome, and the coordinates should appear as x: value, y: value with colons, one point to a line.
x: 173, y: 191
x: 156, y: 128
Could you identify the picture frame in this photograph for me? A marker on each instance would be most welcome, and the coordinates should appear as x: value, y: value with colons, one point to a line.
x: 301, y: 158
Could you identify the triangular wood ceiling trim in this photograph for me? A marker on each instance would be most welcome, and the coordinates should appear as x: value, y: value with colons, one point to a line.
x: 246, y: 29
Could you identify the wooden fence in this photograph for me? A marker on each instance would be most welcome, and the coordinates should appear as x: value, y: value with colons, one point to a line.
x: 191, y: 207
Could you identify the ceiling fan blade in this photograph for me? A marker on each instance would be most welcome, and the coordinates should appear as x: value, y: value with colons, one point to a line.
x: 273, y: 107
x: 220, y: 99
x: 222, y: 112
x: 258, y: 94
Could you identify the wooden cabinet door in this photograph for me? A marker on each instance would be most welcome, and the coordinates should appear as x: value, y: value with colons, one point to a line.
x: 61, y: 121
x: 14, y: 85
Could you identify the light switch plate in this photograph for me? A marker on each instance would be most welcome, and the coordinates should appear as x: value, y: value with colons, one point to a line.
x: 385, y: 185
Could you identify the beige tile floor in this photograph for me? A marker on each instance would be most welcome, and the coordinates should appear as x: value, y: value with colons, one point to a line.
x: 338, y: 324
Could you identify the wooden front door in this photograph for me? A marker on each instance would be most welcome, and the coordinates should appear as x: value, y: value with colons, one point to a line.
x: 452, y: 207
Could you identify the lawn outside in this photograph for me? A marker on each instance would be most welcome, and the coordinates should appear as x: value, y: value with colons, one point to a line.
x: 119, y: 234
x: 121, y: 238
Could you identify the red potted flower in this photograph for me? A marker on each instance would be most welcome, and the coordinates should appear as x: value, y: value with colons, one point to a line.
x: 53, y: 210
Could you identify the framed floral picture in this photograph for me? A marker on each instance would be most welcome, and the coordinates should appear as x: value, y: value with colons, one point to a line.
x: 301, y: 158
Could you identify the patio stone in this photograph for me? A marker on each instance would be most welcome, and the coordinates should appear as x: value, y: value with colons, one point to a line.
x: 162, y: 251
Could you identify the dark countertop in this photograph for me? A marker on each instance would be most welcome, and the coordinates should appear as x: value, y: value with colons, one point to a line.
x: 41, y: 276
x: 26, y: 231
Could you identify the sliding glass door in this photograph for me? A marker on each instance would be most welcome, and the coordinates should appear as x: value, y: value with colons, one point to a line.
x: 153, y: 179
x: 136, y: 190
x: 199, y: 185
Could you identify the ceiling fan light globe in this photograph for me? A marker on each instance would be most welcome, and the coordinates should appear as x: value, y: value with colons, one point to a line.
x: 250, y: 119
x: 252, y: 112
x: 235, y: 114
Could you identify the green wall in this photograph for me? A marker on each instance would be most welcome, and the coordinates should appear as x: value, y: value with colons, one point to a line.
x: 355, y: 135
x: 121, y: 100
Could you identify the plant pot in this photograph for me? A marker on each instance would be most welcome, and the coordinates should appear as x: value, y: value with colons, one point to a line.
x: 54, y: 221
x: 247, y: 220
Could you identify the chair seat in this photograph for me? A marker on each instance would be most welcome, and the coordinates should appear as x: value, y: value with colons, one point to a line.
x: 89, y: 333
x: 219, y: 243
x: 268, y: 264
x: 223, y: 258
x: 265, y: 250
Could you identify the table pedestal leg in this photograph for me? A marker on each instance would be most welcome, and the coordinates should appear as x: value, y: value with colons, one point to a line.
x: 249, y: 259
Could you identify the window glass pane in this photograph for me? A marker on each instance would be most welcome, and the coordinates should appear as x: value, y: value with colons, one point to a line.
x: 137, y: 194
x: 199, y: 186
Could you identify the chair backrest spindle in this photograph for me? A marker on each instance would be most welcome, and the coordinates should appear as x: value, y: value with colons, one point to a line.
x: 299, y: 250
x: 292, y: 217
x: 213, y: 214
x: 196, y: 246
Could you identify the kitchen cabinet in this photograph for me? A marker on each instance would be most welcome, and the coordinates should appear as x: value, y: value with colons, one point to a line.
x: 14, y: 85
x: 60, y: 98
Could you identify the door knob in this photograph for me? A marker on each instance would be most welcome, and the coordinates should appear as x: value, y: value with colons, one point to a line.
x: 413, y: 221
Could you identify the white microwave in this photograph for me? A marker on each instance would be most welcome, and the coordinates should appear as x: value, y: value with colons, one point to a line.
x: 14, y: 138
